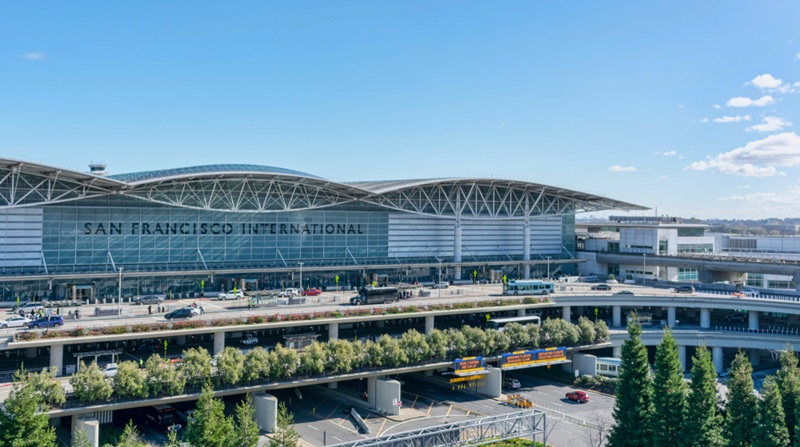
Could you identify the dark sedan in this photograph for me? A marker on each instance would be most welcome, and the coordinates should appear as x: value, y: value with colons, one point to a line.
x: 185, y: 312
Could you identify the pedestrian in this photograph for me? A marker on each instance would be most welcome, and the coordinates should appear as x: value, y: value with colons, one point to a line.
x: 150, y: 309
x: 141, y: 363
x: 202, y: 311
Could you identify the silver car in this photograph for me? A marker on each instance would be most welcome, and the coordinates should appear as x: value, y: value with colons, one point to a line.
x: 14, y: 322
x: 149, y: 299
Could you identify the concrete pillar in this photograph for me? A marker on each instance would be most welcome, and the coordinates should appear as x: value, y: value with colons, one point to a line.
x: 57, y: 358
x: 30, y: 353
x: 333, y: 331
x: 74, y: 292
x: 492, y: 385
x: 89, y: 425
x: 616, y: 316
x: 521, y: 312
x: 266, y: 411
x: 755, y: 358
x: 616, y: 352
x: 457, y: 249
x: 682, y: 356
x: 180, y: 340
x: 752, y: 320
x: 219, y: 342
x: 671, y: 316
x: 371, y: 390
x: 429, y: 319
x: 333, y: 385
x: 705, y: 318
x: 526, y: 248
x: 716, y: 356
x: 566, y: 313
x: 387, y: 396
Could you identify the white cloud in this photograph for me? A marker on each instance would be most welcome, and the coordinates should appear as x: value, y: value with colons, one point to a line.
x: 717, y: 106
x: 797, y: 57
x: 681, y: 106
x: 766, y: 81
x: 759, y: 158
x: 704, y: 120
x: 33, y: 56
x: 783, y: 201
x: 733, y: 119
x: 665, y: 153
x: 618, y: 168
x: 743, y: 187
x: 663, y: 177
x: 770, y: 124
x: 743, y: 101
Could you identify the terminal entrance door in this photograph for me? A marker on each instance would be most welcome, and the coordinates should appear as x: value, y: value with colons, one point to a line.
x: 83, y: 292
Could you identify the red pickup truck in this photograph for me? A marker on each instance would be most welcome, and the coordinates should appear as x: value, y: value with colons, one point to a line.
x: 578, y: 396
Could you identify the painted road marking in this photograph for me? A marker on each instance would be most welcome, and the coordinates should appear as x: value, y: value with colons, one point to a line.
x: 448, y: 411
x: 430, y: 408
x: 334, y: 410
x: 415, y: 401
x: 381, y: 429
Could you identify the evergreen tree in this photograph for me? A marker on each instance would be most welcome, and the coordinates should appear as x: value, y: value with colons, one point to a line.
x: 285, y: 435
x: 211, y: 427
x: 669, y: 394
x: 130, y: 437
x: 702, y: 426
x: 788, y: 378
x: 22, y: 421
x: 80, y: 438
x: 172, y: 439
x: 633, y: 410
x: 246, y: 427
x: 770, y: 430
x: 741, y: 408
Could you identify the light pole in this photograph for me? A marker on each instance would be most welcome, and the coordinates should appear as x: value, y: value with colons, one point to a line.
x: 301, y: 276
x: 439, y: 286
x: 119, y: 296
x: 644, y: 266
x: 548, y: 267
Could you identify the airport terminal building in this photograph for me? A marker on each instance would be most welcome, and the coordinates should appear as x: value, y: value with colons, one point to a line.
x: 182, y: 231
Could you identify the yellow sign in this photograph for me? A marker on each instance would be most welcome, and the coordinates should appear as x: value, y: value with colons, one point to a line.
x: 467, y: 378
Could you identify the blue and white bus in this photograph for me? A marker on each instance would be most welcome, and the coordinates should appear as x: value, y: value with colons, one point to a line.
x: 529, y: 287
x: 500, y: 323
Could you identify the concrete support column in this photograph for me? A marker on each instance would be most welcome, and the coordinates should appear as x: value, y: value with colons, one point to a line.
x: 219, y: 342
x: 716, y: 356
x: 89, y: 425
x: 333, y: 385
x: 429, y: 319
x: 616, y: 316
x: 266, y: 411
x: 566, y: 313
x: 371, y: 390
x: 682, y: 356
x: 457, y: 249
x: 387, y: 396
x: 755, y: 358
x: 671, y: 316
x: 180, y: 340
x: 74, y: 292
x: 333, y: 331
x: 526, y: 248
x: 616, y: 352
x: 521, y: 312
x: 752, y: 320
x: 705, y: 318
x: 493, y: 383
x: 57, y: 358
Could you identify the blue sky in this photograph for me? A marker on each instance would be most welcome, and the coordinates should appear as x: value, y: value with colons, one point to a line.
x: 691, y: 107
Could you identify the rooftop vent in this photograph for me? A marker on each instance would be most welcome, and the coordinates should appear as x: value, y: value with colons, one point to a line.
x: 97, y: 169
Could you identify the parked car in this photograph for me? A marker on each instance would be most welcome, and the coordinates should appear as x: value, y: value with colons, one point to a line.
x: 14, y: 322
x: 249, y: 340
x: 311, y: 292
x: 440, y: 285
x: 186, y: 312
x: 601, y: 287
x: 512, y: 384
x: 738, y: 316
x: 578, y: 396
x: 624, y: 292
x: 684, y: 289
x: 46, y: 322
x: 149, y: 299
x: 110, y: 370
x: 289, y: 292
x: 749, y: 292
x: 230, y: 295
x: 30, y: 309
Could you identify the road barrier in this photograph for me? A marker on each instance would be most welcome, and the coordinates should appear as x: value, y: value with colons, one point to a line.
x: 359, y: 421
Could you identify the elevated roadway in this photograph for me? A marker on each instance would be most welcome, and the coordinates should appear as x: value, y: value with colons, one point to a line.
x: 716, y: 263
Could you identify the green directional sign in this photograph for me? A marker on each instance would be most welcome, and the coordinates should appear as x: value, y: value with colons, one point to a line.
x: 165, y: 350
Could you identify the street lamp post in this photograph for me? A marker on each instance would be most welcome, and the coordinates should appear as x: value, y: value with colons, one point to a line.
x: 301, y: 276
x: 644, y: 266
x: 548, y: 267
x: 119, y: 295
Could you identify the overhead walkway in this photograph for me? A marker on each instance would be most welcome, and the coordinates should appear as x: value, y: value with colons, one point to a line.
x: 707, y: 263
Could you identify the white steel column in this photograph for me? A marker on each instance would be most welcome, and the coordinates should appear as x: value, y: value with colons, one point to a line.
x: 566, y: 313
x: 671, y: 318
x: 57, y: 358
x: 429, y: 320
x: 526, y: 246
x: 457, y: 251
x: 752, y: 320
x: 333, y: 331
x: 219, y: 342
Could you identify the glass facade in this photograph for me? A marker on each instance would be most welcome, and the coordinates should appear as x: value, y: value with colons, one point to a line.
x: 695, y: 248
x: 686, y: 274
